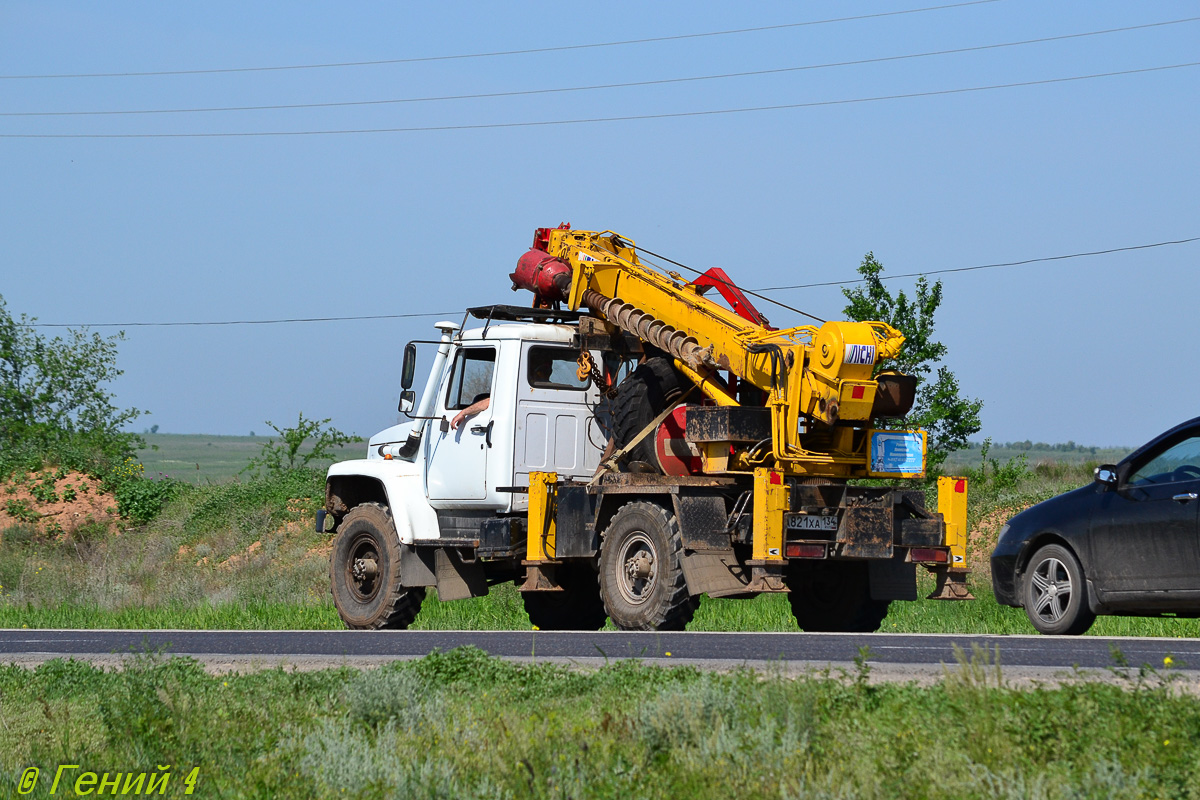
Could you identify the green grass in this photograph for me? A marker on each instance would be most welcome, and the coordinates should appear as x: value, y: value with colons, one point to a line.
x: 971, y: 458
x: 462, y: 725
x: 204, y: 616
x: 502, y: 610
x: 199, y: 458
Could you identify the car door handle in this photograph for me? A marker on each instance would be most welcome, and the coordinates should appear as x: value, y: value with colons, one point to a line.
x: 1186, y: 497
x: 484, y: 429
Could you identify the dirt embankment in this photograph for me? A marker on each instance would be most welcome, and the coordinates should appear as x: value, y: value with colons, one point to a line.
x: 57, y: 503
x: 981, y: 539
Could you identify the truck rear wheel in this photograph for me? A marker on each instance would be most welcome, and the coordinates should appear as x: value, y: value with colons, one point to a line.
x: 364, y: 572
x: 641, y: 577
x: 577, y: 608
x: 640, y: 398
x: 834, y: 596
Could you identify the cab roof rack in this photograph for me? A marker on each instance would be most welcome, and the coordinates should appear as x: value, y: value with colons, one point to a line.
x: 502, y: 313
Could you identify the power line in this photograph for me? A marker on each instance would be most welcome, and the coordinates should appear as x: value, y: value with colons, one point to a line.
x: 560, y: 48
x: 592, y: 120
x: 730, y: 284
x: 593, y: 87
x: 640, y: 250
x: 988, y: 266
x: 229, y: 322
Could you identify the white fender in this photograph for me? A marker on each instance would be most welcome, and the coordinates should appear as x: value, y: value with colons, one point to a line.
x: 403, y: 485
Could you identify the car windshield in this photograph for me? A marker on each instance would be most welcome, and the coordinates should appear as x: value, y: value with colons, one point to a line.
x: 1179, y: 462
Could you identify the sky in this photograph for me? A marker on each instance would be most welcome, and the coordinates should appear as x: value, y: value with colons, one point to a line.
x: 1098, y: 350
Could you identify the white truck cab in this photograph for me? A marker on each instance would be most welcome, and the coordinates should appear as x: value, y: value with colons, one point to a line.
x: 539, y: 416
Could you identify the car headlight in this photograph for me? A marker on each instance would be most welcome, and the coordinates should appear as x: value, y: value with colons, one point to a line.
x: 1003, y: 532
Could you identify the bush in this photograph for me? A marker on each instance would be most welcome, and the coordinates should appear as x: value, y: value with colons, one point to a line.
x: 391, y: 695
x: 143, y: 499
x: 54, y: 407
x: 21, y: 510
x: 1000, y: 476
x: 285, y: 455
x: 140, y: 499
x: 259, y: 497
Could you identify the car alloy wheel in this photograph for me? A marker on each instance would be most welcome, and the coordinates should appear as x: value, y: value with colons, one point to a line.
x: 1054, y: 592
x: 1051, y: 590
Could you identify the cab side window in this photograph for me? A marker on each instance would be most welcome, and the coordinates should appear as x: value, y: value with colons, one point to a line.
x: 554, y: 368
x: 1179, y: 462
x: 471, y: 379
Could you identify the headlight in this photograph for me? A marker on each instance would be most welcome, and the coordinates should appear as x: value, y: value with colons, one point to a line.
x: 1003, y: 531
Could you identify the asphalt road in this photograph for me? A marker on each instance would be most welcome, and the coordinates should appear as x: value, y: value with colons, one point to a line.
x: 714, y: 648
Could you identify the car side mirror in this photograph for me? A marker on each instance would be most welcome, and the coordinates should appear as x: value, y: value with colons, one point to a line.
x: 1106, y: 474
x: 408, y: 399
x: 409, y: 367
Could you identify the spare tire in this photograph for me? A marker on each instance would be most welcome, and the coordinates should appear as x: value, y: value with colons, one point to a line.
x: 641, y: 397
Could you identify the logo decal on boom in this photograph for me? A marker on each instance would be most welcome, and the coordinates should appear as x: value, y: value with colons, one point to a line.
x: 859, y: 354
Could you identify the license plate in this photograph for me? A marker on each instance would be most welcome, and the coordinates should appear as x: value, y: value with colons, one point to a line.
x: 812, y: 522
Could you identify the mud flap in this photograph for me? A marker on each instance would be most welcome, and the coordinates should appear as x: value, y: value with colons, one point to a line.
x: 457, y: 580
x: 416, y: 566
x: 892, y: 580
x: 716, y: 573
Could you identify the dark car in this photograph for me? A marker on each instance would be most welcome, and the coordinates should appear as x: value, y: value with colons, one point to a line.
x: 1125, y: 544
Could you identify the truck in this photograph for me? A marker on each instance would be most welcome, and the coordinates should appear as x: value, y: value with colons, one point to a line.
x: 625, y: 443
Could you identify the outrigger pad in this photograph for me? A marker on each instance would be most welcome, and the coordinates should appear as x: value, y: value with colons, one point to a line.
x: 951, y: 585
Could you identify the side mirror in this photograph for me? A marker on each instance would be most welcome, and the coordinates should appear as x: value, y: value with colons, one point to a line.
x: 1106, y: 474
x: 410, y: 366
x: 408, y: 399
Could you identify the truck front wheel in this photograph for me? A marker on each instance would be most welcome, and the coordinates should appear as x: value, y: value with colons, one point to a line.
x: 641, y: 577
x: 364, y: 572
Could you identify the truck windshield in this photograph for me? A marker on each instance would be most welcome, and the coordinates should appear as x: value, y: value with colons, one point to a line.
x: 471, y: 380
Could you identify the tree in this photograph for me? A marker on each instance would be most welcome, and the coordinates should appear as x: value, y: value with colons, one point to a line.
x: 940, y: 408
x: 282, y: 456
x: 53, y: 398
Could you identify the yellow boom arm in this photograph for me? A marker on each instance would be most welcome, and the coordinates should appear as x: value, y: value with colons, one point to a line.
x: 823, y: 374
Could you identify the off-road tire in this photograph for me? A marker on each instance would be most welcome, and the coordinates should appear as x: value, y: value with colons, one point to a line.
x: 1055, y: 564
x: 834, y: 596
x: 641, y: 397
x: 644, y: 535
x: 577, y: 608
x: 367, y: 533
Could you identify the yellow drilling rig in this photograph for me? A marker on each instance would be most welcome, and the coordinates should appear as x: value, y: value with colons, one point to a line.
x: 724, y: 463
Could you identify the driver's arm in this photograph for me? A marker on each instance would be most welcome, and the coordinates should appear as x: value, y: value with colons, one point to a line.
x: 470, y: 410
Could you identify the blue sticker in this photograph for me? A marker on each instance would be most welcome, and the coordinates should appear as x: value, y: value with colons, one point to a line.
x: 897, y: 451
